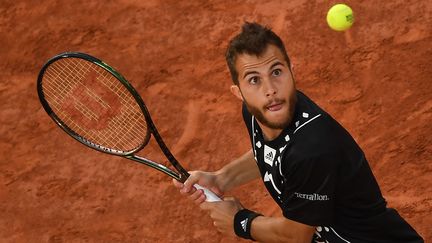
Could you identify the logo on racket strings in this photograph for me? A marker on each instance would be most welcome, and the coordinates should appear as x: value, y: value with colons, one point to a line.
x: 91, y: 103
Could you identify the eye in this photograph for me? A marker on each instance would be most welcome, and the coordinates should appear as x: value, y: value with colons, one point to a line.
x: 277, y: 72
x: 253, y: 80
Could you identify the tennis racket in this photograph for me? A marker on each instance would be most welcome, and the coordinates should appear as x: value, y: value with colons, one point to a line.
x: 98, y: 107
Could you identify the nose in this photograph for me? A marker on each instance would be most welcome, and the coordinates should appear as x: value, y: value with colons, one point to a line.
x: 270, y: 88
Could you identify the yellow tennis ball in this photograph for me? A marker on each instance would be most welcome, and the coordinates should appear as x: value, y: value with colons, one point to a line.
x: 340, y: 17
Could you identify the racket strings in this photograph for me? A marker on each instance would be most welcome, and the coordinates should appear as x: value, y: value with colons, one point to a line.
x: 115, y: 86
x: 94, y: 104
x: 96, y: 97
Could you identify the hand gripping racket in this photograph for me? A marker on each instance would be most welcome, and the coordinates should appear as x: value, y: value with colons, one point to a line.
x: 95, y: 105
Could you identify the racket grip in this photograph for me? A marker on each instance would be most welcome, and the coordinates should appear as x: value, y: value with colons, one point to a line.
x: 210, y: 196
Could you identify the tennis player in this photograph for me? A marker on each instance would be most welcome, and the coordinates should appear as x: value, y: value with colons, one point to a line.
x: 309, y: 163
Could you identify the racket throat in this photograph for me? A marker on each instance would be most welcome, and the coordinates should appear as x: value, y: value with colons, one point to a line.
x: 159, y: 167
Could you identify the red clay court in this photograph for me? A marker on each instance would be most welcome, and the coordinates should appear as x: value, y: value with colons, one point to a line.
x: 375, y: 79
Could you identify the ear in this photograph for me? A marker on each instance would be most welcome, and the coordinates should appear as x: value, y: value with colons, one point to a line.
x: 292, y: 71
x: 235, y: 90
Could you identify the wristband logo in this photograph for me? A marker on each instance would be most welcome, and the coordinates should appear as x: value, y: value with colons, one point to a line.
x: 312, y: 197
x: 244, y: 224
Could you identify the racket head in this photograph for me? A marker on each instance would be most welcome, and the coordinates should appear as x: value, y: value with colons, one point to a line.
x: 94, y: 103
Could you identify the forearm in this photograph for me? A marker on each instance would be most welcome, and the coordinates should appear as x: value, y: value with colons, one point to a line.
x: 238, y: 172
x: 279, y: 229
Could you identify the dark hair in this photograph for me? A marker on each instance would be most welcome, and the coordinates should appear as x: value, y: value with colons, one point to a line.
x: 253, y: 39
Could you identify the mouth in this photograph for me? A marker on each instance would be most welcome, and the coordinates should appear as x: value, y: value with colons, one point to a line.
x: 275, y: 105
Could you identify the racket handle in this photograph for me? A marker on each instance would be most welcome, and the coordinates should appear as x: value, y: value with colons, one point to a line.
x: 210, y: 196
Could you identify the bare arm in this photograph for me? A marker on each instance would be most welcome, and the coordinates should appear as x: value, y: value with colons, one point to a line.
x: 238, y: 172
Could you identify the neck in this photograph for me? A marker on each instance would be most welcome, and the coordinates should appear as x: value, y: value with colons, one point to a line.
x: 269, y: 133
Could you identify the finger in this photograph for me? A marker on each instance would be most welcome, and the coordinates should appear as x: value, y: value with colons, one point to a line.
x: 177, y: 183
x: 196, y: 195
x: 186, y: 190
x: 229, y: 199
x: 200, y: 199
x: 191, y: 180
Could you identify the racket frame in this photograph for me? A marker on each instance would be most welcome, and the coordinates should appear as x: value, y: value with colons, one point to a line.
x: 181, y: 175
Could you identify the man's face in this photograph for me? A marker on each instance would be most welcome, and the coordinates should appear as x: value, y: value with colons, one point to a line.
x: 266, y: 85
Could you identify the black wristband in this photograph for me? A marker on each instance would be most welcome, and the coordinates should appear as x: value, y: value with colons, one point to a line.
x: 242, y: 223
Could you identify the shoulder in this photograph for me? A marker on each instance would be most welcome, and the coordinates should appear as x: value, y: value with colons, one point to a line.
x: 317, y: 136
x: 316, y: 132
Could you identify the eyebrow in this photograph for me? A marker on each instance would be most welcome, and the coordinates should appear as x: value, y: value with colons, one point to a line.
x: 275, y: 64
x: 250, y: 72
x: 255, y: 72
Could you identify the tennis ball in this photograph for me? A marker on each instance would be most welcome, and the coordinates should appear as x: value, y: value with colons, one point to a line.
x: 340, y: 17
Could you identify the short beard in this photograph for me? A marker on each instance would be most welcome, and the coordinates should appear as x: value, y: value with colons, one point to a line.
x: 273, y: 125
